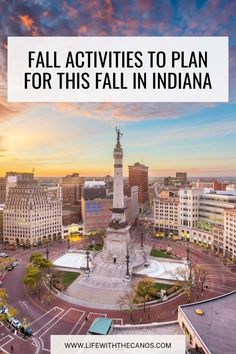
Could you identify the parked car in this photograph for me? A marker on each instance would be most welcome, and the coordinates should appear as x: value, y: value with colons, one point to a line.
x: 10, y: 319
x: 26, y: 331
x: 4, y: 254
x: 14, y: 264
x: 10, y: 267
x: 3, y: 309
x: 16, y: 323
x: 2, y: 277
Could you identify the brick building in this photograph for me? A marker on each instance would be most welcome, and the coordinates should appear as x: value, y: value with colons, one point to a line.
x: 138, y: 176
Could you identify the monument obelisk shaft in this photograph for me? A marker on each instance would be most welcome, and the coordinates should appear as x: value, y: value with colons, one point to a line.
x: 118, y: 237
x: 118, y: 210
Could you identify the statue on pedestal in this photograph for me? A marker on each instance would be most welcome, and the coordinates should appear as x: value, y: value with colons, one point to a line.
x: 119, y: 134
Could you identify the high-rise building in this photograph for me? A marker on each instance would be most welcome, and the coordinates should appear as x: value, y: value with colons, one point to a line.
x: 132, y: 193
x: 109, y: 183
x: 94, y: 189
x: 181, y: 176
x: 211, y: 183
x: 2, y: 190
x: 230, y: 232
x: 218, y: 238
x: 166, y: 212
x: 30, y: 215
x: 211, y: 208
x: 1, y: 224
x: 96, y: 209
x: 188, y: 207
x: 138, y: 176
x: 12, y: 179
x: 71, y: 198
x: 71, y: 189
x: 180, y: 180
x: 96, y: 214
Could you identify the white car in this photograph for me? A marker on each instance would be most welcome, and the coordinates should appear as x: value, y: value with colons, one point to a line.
x: 4, y: 254
x: 16, y: 323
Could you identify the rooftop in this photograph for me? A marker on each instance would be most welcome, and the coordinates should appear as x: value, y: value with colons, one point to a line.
x: 92, y: 184
x: 155, y: 329
x: 100, y: 326
x: 217, y: 326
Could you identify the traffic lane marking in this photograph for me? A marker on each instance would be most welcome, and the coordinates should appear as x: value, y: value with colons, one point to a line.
x: 77, y: 323
x: 46, y: 324
x: 6, y: 336
x: 59, y: 326
x: 66, y: 313
x: 4, y: 341
x: 46, y: 313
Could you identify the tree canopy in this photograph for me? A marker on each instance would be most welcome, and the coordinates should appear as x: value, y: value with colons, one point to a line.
x: 144, y: 291
x: 39, y: 261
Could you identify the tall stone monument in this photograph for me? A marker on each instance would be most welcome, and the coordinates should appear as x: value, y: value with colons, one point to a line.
x: 117, y: 244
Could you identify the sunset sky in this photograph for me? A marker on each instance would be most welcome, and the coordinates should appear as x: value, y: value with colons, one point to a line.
x: 57, y: 139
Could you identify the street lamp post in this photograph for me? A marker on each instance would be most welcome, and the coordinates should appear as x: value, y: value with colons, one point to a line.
x: 50, y: 281
x: 87, y: 257
x: 188, y: 251
x: 47, y: 251
x: 127, y: 265
x: 149, y: 312
x: 141, y: 246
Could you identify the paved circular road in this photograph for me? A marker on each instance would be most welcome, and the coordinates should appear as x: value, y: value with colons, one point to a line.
x: 61, y: 317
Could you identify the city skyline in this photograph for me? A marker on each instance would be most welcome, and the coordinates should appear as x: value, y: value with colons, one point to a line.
x: 57, y: 139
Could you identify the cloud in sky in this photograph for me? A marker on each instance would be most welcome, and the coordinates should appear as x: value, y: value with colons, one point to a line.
x: 122, y: 18
x: 151, y: 127
x: 116, y: 112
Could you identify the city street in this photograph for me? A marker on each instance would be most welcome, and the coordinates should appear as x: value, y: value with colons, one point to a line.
x: 65, y: 318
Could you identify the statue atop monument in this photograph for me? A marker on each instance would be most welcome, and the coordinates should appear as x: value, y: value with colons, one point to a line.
x: 119, y: 134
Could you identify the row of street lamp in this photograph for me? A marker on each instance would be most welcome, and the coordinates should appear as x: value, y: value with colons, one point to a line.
x: 68, y: 248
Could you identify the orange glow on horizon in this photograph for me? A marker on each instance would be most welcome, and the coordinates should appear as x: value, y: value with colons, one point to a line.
x: 27, y: 21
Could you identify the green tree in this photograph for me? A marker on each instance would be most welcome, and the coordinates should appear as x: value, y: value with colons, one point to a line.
x: 4, y: 302
x: 144, y: 291
x: 3, y: 297
x: 25, y: 325
x: 39, y: 261
x: 33, y: 277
